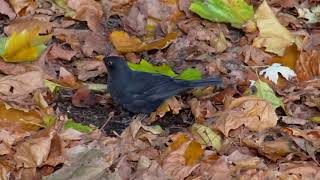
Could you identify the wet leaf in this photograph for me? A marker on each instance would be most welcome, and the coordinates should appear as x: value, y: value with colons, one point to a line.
x: 264, y: 91
x: 77, y: 126
x: 24, y: 46
x: 236, y: 12
x: 274, y: 41
x: 164, y: 69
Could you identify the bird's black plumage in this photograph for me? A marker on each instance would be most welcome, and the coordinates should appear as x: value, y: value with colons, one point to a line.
x: 142, y: 92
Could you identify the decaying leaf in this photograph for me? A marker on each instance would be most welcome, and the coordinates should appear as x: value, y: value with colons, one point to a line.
x: 207, y: 135
x: 307, y: 67
x: 274, y: 41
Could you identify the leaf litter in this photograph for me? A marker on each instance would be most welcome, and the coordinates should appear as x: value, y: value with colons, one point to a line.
x: 58, y: 122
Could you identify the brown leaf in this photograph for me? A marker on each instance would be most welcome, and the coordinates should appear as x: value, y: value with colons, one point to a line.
x: 57, y: 52
x: 21, y: 84
x: 66, y: 78
x: 89, y: 69
x: 254, y: 56
x: 252, y: 112
x: 308, y: 65
x: 202, y: 109
x: 20, y: 24
x: 33, y: 152
x: 269, y: 144
x: 175, y: 163
x: 88, y: 10
x: 23, y: 6
x: 216, y: 169
x: 82, y: 40
x: 6, y: 10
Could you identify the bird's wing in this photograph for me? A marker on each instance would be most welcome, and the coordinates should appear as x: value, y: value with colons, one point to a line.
x: 146, y: 83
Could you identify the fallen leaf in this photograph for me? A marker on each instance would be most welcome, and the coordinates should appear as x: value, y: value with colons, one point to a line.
x: 22, y: 84
x: 89, y: 69
x: 77, y: 126
x: 57, y: 52
x: 6, y: 9
x: 88, y: 10
x: 201, y: 109
x: 312, y: 15
x: 174, y: 164
x: 66, y: 78
x: 264, y: 91
x: 307, y: 67
x: 252, y: 112
x: 21, y: 24
x: 272, y: 72
x: 164, y: 69
x: 207, y: 136
x: 22, y: 6
x: 274, y: 41
x: 84, y: 163
x: 126, y: 44
x: 83, y: 97
x: 24, y: 46
x: 34, y: 151
x: 289, y: 58
x: 269, y: 144
x: 236, y: 12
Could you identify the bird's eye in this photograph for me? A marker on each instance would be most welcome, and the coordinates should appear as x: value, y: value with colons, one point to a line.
x: 109, y: 63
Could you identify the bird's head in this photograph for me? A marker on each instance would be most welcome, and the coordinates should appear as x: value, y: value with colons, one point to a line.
x: 115, y: 63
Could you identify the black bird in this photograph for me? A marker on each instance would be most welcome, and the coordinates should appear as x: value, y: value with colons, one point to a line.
x: 142, y: 92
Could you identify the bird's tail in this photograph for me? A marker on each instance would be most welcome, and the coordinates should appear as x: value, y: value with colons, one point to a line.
x: 216, y: 82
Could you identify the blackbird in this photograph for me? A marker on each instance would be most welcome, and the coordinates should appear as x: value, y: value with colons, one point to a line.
x: 141, y: 92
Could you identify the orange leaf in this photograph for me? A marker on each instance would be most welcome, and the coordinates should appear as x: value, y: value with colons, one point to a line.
x: 289, y: 58
x: 179, y: 141
x: 193, y: 153
x: 126, y: 44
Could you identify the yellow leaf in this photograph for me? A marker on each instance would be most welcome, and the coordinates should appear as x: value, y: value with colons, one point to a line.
x: 207, y: 135
x: 193, y: 153
x: 126, y: 44
x: 24, y: 46
x: 273, y: 36
x: 179, y: 141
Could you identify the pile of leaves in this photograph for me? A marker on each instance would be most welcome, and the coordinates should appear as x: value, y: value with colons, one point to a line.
x: 263, y: 125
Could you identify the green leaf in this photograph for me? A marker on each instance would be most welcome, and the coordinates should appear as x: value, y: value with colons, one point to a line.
x: 77, y: 126
x: 166, y: 70
x: 49, y: 120
x: 190, y: 74
x: 264, y: 91
x: 236, y: 12
x: 52, y: 85
x: 3, y: 41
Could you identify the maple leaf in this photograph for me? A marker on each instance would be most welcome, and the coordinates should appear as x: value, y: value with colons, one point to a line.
x: 272, y: 72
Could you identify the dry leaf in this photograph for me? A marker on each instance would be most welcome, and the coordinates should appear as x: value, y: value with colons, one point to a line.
x: 90, y: 69
x: 88, y: 10
x: 21, y: 84
x: 23, y: 6
x: 274, y: 41
x: 57, y: 52
x: 252, y: 112
x: 308, y: 65
x: 6, y: 9
x: 126, y: 44
x: 20, y: 24
x: 66, y: 78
